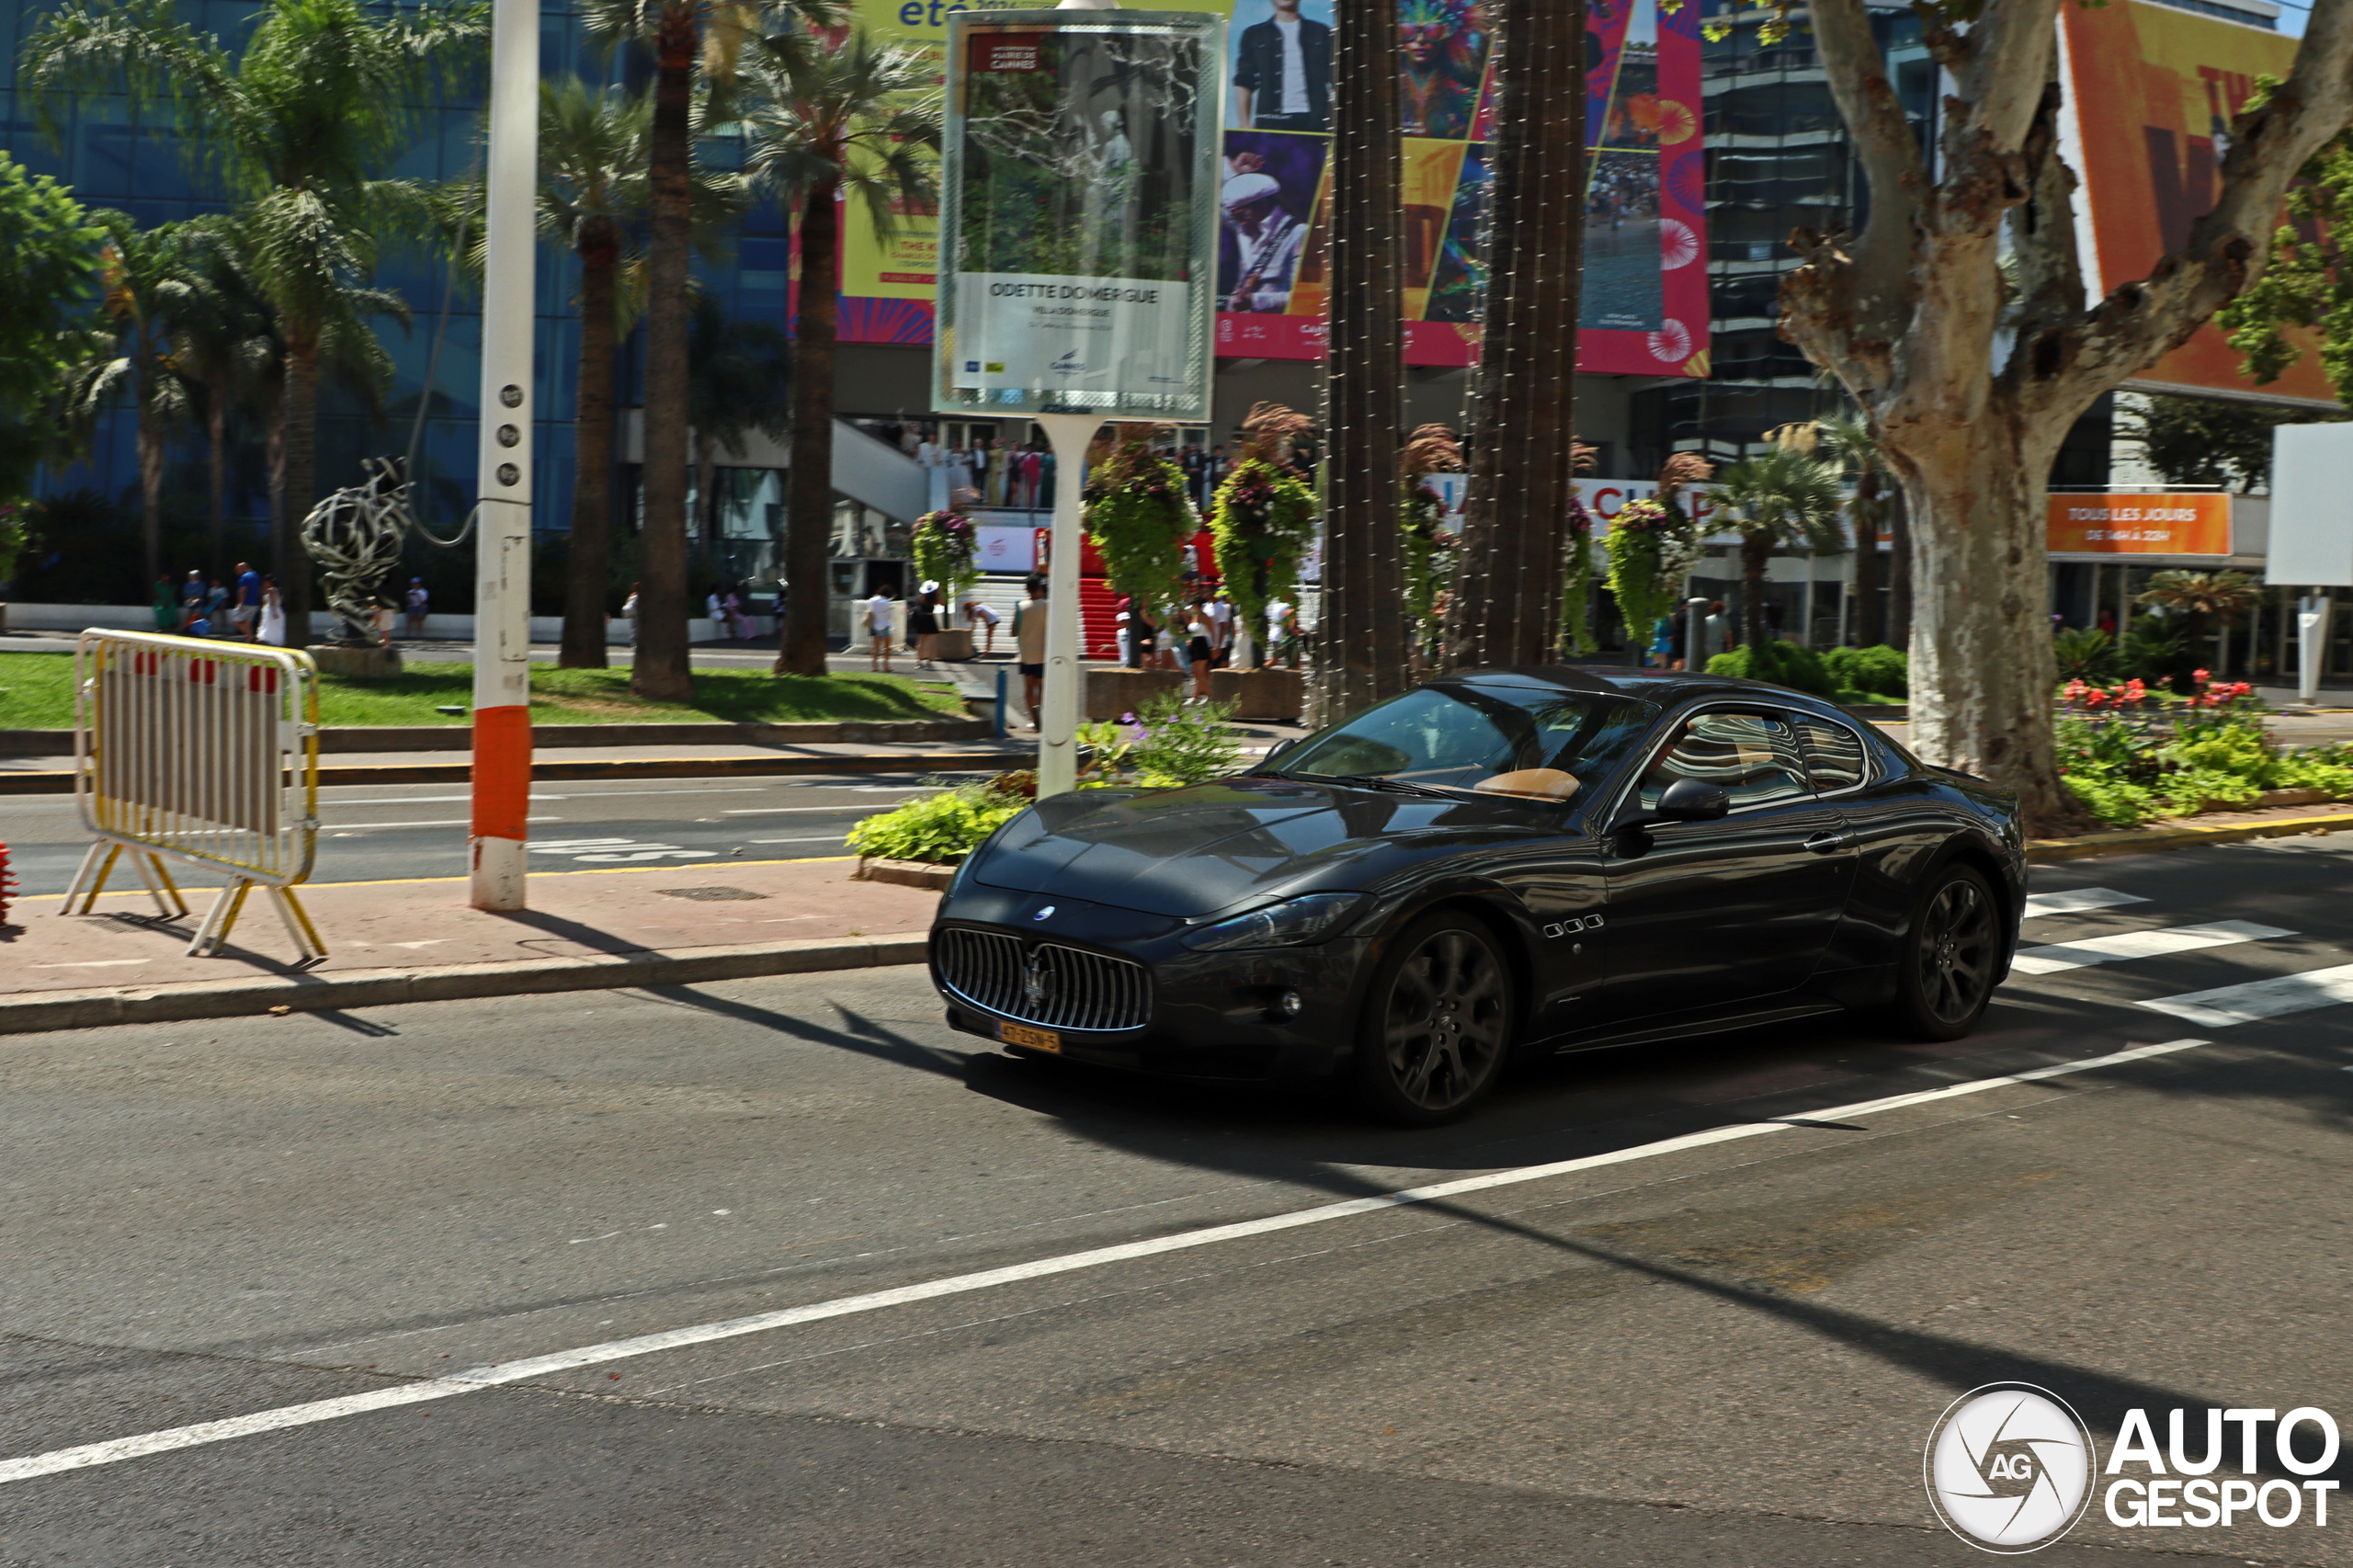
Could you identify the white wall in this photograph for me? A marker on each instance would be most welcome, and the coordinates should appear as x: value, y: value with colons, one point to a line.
x: 545, y: 628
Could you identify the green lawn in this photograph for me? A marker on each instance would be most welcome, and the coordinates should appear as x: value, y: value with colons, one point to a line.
x: 36, y: 693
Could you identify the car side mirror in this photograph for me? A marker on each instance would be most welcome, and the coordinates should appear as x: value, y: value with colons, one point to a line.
x: 1689, y: 799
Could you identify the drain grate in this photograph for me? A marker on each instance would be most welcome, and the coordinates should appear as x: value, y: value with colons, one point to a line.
x: 710, y: 895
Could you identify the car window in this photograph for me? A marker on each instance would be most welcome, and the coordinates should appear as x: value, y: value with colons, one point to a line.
x: 1752, y: 757
x: 1834, y: 754
x: 1538, y: 742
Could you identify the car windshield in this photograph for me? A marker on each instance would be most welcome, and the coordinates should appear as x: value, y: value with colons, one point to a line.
x: 1531, y: 741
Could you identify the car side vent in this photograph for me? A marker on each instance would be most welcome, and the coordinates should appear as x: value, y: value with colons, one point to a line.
x: 1048, y: 984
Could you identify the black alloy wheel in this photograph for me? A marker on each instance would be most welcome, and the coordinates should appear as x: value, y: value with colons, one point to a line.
x: 1437, y: 1023
x: 1949, y: 958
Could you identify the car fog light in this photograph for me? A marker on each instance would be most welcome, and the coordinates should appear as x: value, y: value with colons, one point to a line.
x: 1288, y: 1003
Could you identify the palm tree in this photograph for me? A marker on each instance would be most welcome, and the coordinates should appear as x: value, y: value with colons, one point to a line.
x: 2215, y: 598
x: 222, y: 349
x: 143, y: 288
x: 683, y: 35
x: 861, y: 119
x: 1846, y: 439
x: 740, y: 380
x: 1778, y: 497
x: 324, y: 95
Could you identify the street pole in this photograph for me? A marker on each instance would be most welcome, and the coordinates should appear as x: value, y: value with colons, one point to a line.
x: 1070, y: 435
x: 1695, y: 661
x: 502, y: 749
x: 2311, y: 645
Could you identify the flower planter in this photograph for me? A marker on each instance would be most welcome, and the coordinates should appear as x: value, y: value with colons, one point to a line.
x: 953, y: 647
x: 1112, y: 692
x: 932, y: 874
x: 1263, y: 695
x: 359, y: 662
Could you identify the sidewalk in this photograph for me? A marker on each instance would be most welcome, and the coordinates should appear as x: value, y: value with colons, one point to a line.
x: 418, y: 941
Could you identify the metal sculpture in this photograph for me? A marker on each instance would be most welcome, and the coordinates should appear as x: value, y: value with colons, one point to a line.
x: 356, y: 536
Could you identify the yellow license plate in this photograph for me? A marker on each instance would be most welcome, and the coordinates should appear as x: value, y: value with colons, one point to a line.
x: 1035, y: 1040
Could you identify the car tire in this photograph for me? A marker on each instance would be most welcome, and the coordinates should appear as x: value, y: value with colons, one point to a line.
x: 1952, y: 956
x: 1439, y: 1019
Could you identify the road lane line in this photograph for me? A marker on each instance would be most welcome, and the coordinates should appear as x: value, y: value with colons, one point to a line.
x: 2074, y: 900
x: 2125, y: 946
x: 2272, y: 998
x: 500, y: 1374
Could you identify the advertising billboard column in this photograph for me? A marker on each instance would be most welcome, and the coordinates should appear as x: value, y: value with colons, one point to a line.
x: 1078, y: 234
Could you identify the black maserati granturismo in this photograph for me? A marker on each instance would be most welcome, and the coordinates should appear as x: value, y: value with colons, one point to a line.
x: 1512, y: 860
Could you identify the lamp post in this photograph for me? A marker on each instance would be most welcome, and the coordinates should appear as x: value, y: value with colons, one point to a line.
x: 501, y: 732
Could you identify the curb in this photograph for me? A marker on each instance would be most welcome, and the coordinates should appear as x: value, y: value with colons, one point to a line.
x: 61, y: 781
x: 2138, y: 840
x: 339, y: 738
x: 308, y: 993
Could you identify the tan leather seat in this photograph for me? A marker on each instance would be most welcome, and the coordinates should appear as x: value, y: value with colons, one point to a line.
x: 1538, y: 783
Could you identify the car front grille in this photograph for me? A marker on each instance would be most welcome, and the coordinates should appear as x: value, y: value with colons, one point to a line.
x: 1054, y: 986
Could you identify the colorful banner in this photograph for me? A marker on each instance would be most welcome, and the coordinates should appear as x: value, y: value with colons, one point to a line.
x: 2197, y: 523
x: 1645, y: 302
x: 2152, y: 90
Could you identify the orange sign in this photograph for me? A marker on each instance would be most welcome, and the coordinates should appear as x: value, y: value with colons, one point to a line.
x: 2195, y: 524
x: 2153, y: 89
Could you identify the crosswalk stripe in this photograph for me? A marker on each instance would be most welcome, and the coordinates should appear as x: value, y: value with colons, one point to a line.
x: 2128, y: 945
x: 2075, y: 899
x: 2271, y: 998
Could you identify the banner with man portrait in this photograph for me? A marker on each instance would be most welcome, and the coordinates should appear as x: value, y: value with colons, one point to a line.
x: 1645, y: 280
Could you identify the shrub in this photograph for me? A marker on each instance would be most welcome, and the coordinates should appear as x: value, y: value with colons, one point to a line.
x: 2085, y: 654
x: 1783, y: 663
x: 946, y: 826
x: 1166, y: 744
x: 1881, y: 670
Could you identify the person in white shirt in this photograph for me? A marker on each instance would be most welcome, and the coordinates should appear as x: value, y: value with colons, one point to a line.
x: 978, y: 614
x: 1278, y: 629
x: 878, y: 627
x: 1220, y: 610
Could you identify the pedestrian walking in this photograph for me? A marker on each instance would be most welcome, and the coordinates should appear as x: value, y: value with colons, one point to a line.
x: 878, y: 630
x: 273, y: 614
x: 1201, y: 651
x: 247, y: 613
x: 629, y: 614
x: 923, y: 625
x: 1029, y: 645
x: 417, y: 601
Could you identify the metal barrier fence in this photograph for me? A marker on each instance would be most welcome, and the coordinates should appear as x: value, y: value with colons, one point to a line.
x: 204, y: 752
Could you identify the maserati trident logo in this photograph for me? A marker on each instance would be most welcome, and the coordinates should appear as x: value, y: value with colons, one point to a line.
x: 2009, y: 1468
x: 1037, y: 979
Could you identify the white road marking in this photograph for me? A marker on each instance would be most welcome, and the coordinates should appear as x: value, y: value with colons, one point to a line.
x: 446, y: 822
x: 92, y: 963
x: 495, y: 1375
x: 2125, y: 946
x: 2281, y: 995
x: 2042, y: 903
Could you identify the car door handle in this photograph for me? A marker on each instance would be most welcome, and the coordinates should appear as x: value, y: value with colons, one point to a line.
x: 1824, y: 843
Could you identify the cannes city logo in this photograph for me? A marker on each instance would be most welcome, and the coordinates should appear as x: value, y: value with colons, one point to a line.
x: 2009, y: 1468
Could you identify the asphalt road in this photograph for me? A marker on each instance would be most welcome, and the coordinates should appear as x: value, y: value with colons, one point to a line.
x: 1726, y: 1350
x: 376, y: 832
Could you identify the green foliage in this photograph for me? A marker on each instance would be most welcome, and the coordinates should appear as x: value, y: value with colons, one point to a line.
x: 2157, y: 650
x: 939, y: 828
x: 2085, y: 654
x: 49, y: 261
x: 1651, y: 547
x: 1263, y: 518
x: 16, y: 536
x: 947, y: 551
x: 2197, y: 440
x: 1168, y: 744
x: 1428, y: 555
x: 2129, y: 755
x: 1783, y: 663
x: 1140, y: 515
x: 2306, y: 283
x: 1782, y: 498
x: 1576, y: 582
x: 39, y: 695
x: 1882, y: 672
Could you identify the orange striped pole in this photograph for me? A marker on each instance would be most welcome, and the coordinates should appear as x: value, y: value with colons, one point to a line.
x: 502, y: 753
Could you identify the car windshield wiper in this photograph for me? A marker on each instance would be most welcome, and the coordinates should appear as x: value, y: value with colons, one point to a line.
x: 1382, y: 782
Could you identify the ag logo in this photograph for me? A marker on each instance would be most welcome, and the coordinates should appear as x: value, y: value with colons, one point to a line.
x: 2009, y: 1468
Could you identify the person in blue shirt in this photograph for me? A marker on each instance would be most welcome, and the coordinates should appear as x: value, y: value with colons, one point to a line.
x: 246, y: 613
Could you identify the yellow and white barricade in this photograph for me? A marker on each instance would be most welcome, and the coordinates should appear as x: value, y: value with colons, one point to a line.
x: 207, y: 752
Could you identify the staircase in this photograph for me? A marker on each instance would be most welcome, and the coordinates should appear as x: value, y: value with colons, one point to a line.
x: 1098, y: 624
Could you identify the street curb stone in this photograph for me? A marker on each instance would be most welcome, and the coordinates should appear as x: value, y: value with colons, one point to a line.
x: 60, y: 781
x: 2139, y: 840
x: 310, y: 993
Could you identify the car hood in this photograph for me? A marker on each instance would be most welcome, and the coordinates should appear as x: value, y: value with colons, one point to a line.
x: 1206, y: 848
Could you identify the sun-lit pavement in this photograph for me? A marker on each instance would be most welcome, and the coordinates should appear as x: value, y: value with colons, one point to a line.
x: 1715, y: 1352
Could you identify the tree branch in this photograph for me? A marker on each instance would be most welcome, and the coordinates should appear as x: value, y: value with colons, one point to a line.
x: 1889, y: 151
x: 2137, y: 322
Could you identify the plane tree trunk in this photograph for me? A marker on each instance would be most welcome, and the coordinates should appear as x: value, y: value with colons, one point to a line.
x: 588, y: 559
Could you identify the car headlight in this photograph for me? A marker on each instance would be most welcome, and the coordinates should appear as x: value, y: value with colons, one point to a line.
x: 1308, y: 919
